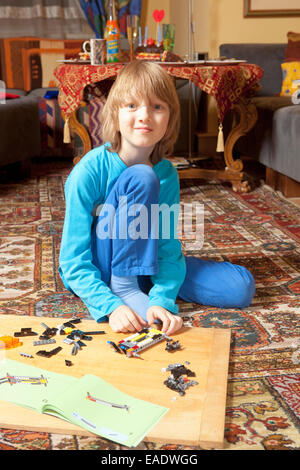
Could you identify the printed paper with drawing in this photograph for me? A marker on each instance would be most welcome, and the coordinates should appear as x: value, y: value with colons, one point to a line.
x: 88, y: 402
x: 99, y: 407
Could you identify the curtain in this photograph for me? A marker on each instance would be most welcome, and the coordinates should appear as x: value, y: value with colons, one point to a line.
x: 128, y: 7
x: 43, y: 18
x: 96, y: 13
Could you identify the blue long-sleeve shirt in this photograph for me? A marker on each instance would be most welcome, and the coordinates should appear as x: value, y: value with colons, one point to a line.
x: 87, y: 186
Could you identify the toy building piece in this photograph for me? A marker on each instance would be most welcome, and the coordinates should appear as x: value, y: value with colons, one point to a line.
x: 67, y: 327
x: 49, y: 332
x: 172, y: 346
x: 61, y: 330
x: 66, y: 330
x: 49, y: 353
x: 175, y: 385
x: 94, y: 333
x: 9, y: 342
x: 68, y: 324
x: 68, y: 341
x: 179, y: 384
x: 180, y: 369
x: 24, y: 332
x: 176, y: 381
x: 78, y: 334
x: 116, y: 347
x: 134, y: 344
x: 74, y: 320
x: 26, y: 355
x: 76, y: 348
x: 77, y: 345
x: 44, y: 341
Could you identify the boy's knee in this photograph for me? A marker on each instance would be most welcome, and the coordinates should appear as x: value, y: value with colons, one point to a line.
x: 142, y: 176
x: 243, y: 287
x: 219, y: 284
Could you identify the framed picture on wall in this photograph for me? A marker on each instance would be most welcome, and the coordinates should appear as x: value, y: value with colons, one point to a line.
x: 257, y: 8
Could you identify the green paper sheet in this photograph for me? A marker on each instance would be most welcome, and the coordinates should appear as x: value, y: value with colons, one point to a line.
x: 88, y: 402
x: 31, y: 396
x: 127, y: 426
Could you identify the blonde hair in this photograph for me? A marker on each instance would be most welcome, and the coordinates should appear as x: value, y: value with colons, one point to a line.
x: 139, y: 79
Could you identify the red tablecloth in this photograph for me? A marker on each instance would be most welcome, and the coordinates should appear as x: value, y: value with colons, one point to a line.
x: 226, y: 83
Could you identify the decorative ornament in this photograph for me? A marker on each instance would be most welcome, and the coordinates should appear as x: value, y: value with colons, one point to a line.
x: 220, y: 142
x: 158, y: 16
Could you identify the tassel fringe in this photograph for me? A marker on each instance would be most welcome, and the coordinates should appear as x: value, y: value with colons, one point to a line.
x: 67, y: 137
x: 220, y: 143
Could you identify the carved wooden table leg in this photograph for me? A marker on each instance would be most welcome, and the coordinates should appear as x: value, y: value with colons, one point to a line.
x: 82, y: 133
x: 247, y: 118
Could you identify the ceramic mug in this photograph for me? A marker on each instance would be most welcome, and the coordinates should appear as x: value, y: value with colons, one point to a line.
x: 97, y: 50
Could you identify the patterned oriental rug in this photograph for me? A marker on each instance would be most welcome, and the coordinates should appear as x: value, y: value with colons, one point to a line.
x: 259, y: 230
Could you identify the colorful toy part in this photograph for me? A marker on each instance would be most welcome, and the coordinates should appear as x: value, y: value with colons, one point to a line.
x: 172, y: 346
x: 176, y: 381
x: 9, y: 342
x: 30, y: 356
x: 139, y: 341
x: 25, y: 332
x: 49, y: 353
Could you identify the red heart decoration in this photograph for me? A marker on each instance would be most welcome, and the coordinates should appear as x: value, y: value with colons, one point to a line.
x: 158, y: 15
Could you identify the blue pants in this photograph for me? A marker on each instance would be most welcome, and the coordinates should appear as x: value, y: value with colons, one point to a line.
x: 219, y: 284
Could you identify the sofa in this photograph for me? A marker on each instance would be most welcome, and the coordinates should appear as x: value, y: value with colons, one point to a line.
x: 20, y: 137
x: 275, y: 139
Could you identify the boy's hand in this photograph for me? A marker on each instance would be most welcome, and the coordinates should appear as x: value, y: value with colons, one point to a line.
x: 171, y: 322
x: 123, y: 320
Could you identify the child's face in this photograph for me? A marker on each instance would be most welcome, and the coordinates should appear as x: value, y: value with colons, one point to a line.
x: 143, y: 122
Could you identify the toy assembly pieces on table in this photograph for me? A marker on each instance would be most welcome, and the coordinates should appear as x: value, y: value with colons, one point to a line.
x: 138, y: 342
x: 74, y: 337
x: 202, y: 406
x: 176, y: 381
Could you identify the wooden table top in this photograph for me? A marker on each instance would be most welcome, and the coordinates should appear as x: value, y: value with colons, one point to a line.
x: 197, y: 418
